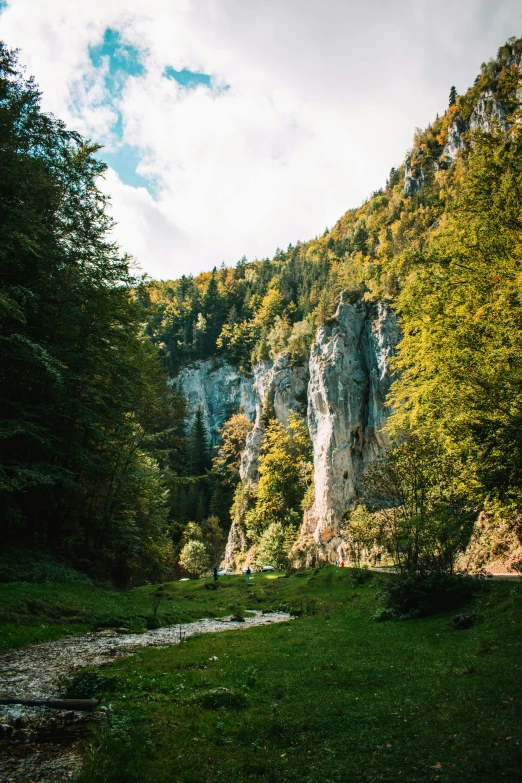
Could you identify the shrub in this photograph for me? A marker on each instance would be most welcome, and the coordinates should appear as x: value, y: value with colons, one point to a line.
x: 24, y: 565
x: 237, y: 612
x: 420, y: 594
x: 89, y: 684
x: 360, y: 576
x: 194, y: 558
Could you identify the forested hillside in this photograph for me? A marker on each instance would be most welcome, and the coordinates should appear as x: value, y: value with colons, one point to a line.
x: 254, y: 310
x: 441, y: 242
x: 97, y: 463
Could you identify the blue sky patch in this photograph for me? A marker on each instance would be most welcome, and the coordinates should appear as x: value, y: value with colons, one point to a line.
x: 187, y: 78
x: 125, y: 160
x: 124, y: 59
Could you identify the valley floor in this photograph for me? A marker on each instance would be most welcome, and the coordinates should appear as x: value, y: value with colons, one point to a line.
x: 331, y: 696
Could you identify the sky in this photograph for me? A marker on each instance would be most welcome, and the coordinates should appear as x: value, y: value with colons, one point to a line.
x: 234, y: 127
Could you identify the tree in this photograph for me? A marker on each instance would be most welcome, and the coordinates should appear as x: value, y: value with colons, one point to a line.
x: 452, y: 97
x: 460, y: 360
x: 272, y: 547
x: 360, y: 533
x: 192, y: 532
x: 227, y: 461
x: 85, y: 411
x: 214, y: 539
x: 194, y: 558
x: 198, y: 453
x: 421, y: 509
x: 284, y: 469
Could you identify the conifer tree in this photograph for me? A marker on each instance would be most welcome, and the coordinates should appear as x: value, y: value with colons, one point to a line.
x: 198, y: 455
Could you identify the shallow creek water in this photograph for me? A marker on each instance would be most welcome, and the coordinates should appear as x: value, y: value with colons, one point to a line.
x: 41, y: 744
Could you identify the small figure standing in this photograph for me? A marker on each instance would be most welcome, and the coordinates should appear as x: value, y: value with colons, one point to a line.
x: 247, y: 574
x: 342, y: 563
x: 337, y: 563
x: 215, y: 572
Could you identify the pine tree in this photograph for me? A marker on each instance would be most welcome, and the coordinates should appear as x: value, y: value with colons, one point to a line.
x: 212, y: 310
x: 452, y: 96
x: 198, y: 453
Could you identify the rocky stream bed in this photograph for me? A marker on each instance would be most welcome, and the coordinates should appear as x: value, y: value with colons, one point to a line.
x: 44, y: 745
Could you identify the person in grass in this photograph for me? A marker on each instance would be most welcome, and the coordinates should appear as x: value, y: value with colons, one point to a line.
x: 247, y: 574
x: 215, y: 569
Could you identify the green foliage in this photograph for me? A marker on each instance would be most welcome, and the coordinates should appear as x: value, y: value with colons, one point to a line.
x: 194, y: 558
x: 360, y: 533
x: 86, y: 418
x: 452, y: 97
x: 460, y: 360
x: 27, y: 565
x: 424, y: 515
x: 285, y: 474
x: 360, y: 576
x: 272, y: 547
x: 410, y: 595
x: 227, y: 460
x: 198, y: 453
x: 214, y: 537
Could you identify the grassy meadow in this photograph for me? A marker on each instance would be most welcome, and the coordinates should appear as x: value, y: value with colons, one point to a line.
x: 331, y: 696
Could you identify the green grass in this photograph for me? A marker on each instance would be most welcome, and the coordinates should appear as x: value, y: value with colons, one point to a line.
x: 37, y: 612
x: 333, y: 696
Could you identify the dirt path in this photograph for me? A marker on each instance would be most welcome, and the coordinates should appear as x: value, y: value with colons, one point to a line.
x: 42, y: 745
x: 495, y: 576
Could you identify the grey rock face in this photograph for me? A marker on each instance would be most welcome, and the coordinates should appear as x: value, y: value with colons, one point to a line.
x: 219, y: 390
x: 454, y: 140
x: 413, y: 177
x: 488, y: 113
x: 236, y: 543
x: 346, y: 382
x: 349, y: 381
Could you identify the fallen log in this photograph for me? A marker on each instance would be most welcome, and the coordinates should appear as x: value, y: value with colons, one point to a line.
x: 82, y: 705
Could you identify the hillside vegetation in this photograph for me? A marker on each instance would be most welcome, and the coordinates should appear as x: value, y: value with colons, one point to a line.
x: 441, y: 242
x: 96, y: 464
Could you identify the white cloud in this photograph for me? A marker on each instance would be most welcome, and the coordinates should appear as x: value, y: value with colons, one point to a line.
x: 323, y: 99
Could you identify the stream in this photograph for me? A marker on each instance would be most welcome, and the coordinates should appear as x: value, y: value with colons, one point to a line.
x: 40, y: 744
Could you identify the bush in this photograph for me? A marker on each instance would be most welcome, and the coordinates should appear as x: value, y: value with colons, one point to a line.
x: 420, y: 594
x: 237, y: 612
x: 360, y: 576
x: 25, y: 565
x: 90, y: 684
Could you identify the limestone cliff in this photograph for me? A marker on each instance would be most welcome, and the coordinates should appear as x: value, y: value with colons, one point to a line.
x: 218, y: 389
x: 349, y: 380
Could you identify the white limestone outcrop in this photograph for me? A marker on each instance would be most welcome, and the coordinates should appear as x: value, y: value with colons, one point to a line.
x: 349, y: 381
